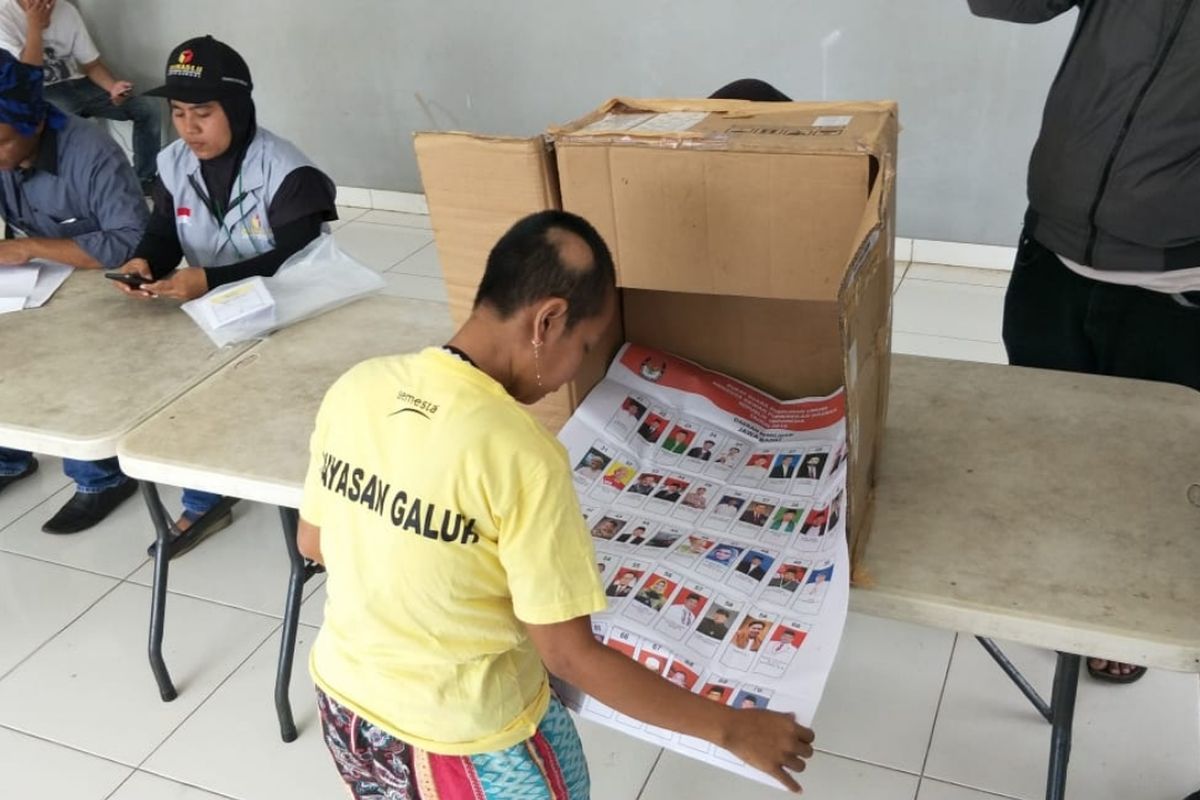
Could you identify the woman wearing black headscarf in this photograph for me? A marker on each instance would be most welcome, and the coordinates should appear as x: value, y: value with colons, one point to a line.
x: 232, y: 198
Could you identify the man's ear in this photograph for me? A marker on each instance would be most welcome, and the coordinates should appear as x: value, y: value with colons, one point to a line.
x: 550, y: 313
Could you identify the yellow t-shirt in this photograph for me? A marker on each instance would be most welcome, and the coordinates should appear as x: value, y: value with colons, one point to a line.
x: 447, y: 519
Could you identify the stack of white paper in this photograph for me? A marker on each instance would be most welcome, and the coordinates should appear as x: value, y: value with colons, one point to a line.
x: 30, y: 285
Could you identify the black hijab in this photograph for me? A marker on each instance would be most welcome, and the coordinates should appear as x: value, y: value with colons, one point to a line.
x: 221, y: 173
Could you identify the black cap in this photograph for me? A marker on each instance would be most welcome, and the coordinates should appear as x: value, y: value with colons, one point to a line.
x: 202, y: 70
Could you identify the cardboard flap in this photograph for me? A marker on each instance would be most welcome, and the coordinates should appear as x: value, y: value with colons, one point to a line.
x: 739, y: 224
x: 736, y: 125
x: 477, y: 187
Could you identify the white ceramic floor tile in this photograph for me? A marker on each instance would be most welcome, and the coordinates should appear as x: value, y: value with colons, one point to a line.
x: 91, y: 686
x: 37, y: 600
x: 882, y: 694
x: 346, y: 215
x: 936, y: 790
x: 920, y: 344
x: 899, y: 274
x: 381, y: 246
x: 618, y: 764
x: 144, y: 786
x: 947, y: 309
x: 354, y: 196
x: 115, y: 546
x: 405, y: 202
x: 34, y: 768
x: 398, y: 218
x: 827, y: 777
x: 971, y: 276
x: 418, y: 287
x: 424, y: 262
x: 237, y: 733
x: 245, y: 565
x: 1130, y: 741
x: 19, y: 498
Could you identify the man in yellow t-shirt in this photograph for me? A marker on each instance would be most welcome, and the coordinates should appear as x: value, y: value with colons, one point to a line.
x: 445, y: 541
x: 459, y: 564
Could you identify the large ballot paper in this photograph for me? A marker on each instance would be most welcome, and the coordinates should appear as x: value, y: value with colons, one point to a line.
x: 718, y: 515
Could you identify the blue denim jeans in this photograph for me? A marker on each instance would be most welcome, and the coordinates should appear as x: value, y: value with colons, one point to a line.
x: 197, y: 503
x: 91, y: 477
x: 83, y: 98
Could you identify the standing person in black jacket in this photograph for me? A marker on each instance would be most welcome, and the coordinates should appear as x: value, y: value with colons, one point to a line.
x: 1107, y: 276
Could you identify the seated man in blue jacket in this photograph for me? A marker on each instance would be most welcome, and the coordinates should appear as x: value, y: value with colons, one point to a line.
x: 67, y: 194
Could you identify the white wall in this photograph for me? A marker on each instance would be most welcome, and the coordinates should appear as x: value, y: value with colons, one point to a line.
x: 349, y: 80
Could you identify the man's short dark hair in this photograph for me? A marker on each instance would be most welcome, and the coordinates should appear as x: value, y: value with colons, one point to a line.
x: 526, y: 266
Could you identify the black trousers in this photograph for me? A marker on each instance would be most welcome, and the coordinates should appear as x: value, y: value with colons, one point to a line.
x: 1057, y: 319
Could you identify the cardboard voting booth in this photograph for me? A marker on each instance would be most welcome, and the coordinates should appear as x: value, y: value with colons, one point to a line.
x: 756, y: 239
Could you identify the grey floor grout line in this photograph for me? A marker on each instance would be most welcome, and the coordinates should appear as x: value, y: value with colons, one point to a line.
x: 70, y: 747
x: 225, y: 603
x: 947, y: 282
x: 977, y: 790
x: 200, y: 705
x: 937, y: 712
x: 867, y: 762
x: 941, y: 336
x: 34, y: 507
x: 121, y: 785
x: 72, y: 567
x: 413, y: 254
x: 391, y: 225
x: 60, y: 631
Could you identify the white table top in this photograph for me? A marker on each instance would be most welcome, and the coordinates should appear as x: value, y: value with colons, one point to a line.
x: 244, y: 432
x: 1043, y: 507
x: 82, y: 371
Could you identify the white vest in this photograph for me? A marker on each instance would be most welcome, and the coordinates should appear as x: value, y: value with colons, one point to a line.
x: 245, y: 231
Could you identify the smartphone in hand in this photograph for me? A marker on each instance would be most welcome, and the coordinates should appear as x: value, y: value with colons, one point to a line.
x: 130, y: 279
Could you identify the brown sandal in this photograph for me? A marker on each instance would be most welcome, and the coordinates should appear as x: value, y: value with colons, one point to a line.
x: 1102, y: 673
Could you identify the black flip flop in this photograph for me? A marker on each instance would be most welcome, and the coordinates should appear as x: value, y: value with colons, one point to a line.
x: 1105, y: 675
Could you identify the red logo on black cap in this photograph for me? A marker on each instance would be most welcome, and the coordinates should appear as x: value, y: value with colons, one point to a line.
x: 185, y: 57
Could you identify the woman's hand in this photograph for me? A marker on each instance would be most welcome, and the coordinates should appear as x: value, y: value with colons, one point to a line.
x: 771, y: 742
x: 136, y: 266
x: 186, y: 284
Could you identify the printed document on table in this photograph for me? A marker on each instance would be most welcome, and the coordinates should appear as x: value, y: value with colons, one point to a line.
x: 718, y: 517
x: 50, y: 277
x: 242, y: 300
x: 18, y: 281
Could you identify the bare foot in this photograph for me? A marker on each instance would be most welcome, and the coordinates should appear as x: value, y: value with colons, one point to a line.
x: 1117, y: 671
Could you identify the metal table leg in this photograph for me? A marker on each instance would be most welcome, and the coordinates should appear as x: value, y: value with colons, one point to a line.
x: 158, y: 605
x: 301, y: 571
x: 1062, y: 704
x: 1059, y: 712
x: 1014, y: 674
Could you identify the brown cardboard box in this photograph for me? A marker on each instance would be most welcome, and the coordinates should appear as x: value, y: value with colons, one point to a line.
x: 753, y: 238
